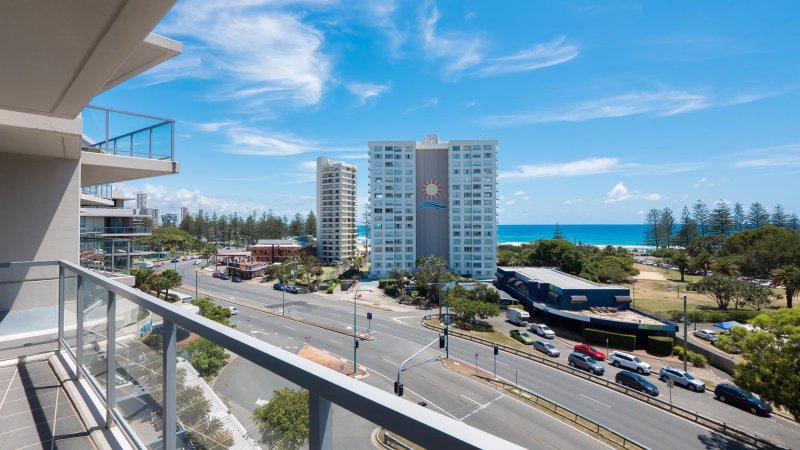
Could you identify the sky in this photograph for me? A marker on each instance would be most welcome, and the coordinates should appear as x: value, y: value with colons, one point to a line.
x: 603, y: 110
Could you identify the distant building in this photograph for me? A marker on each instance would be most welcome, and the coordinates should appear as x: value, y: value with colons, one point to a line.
x: 200, y: 213
x: 434, y: 198
x: 141, y: 201
x: 169, y: 220
x: 153, y: 213
x: 336, y: 210
x: 279, y: 250
x: 184, y: 214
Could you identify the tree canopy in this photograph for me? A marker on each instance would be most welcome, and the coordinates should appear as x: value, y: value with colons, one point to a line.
x: 283, y: 421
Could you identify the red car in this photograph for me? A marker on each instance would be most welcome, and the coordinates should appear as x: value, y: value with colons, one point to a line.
x: 588, y: 350
x: 216, y: 274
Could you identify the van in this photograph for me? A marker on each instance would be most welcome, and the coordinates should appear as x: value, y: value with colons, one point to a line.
x: 517, y: 316
x: 183, y: 298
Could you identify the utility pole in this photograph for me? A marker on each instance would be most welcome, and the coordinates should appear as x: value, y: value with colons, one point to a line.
x: 685, y: 336
x: 355, y: 336
x: 195, y: 284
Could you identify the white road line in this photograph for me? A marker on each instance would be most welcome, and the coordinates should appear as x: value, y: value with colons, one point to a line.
x: 8, y: 388
x: 483, y: 406
x: 473, y: 401
x: 500, y: 362
x: 390, y: 362
x: 409, y: 390
x: 596, y: 401
x: 335, y: 342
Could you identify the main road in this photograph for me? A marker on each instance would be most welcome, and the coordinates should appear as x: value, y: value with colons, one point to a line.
x: 398, y: 335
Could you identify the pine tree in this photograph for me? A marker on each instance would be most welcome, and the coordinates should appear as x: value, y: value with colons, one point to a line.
x: 652, y: 235
x: 792, y: 222
x: 778, y: 216
x: 666, y: 226
x: 738, y: 216
x: 297, y: 225
x: 721, y: 220
x: 700, y: 217
x: 557, y: 234
x: 688, y: 229
x: 311, y: 224
x: 757, y: 215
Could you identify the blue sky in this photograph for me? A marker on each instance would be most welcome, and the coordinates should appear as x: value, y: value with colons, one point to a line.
x: 603, y: 110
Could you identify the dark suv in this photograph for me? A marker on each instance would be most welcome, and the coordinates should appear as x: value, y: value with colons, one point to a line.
x: 728, y: 393
x: 636, y: 382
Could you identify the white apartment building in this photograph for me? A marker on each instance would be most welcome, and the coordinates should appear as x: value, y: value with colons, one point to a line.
x: 336, y: 210
x: 434, y: 198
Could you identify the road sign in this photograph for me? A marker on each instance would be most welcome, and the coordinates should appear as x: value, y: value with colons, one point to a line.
x: 308, y: 339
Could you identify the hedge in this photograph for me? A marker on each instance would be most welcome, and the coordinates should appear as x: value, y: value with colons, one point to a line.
x: 660, y: 345
x: 618, y: 340
x: 383, y: 283
x: 715, y: 316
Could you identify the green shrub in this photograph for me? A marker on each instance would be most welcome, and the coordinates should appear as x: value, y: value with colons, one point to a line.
x: 714, y: 316
x: 660, y: 345
x: 697, y: 359
x: 329, y: 290
x: 384, y: 283
x: 677, y: 351
x: 617, y: 340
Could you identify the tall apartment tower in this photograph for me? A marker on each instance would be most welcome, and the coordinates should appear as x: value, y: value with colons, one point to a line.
x: 185, y: 213
x: 336, y: 210
x: 141, y: 202
x: 434, y: 198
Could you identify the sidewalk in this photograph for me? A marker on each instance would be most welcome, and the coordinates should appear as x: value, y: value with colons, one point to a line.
x: 369, y: 296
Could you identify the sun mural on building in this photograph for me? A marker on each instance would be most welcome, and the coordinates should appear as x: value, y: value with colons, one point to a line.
x: 431, y: 190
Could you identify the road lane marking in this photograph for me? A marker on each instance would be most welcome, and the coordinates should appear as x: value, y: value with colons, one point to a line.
x: 415, y: 393
x: 473, y: 401
x: 482, y: 406
x: 500, y: 362
x: 597, y: 401
x: 390, y: 362
x: 335, y: 342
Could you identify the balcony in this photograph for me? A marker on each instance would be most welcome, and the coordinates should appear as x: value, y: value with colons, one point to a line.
x: 115, y: 352
x: 122, y: 145
x: 104, y: 232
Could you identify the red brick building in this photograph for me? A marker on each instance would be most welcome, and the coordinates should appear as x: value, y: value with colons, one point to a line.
x: 279, y: 250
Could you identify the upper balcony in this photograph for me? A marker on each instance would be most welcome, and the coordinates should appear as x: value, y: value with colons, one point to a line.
x: 122, y: 145
x: 113, y: 351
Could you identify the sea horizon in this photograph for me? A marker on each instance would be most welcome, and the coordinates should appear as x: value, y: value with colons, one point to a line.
x: 625, y: 235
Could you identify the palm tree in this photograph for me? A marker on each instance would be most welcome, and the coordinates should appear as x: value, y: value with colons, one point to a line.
x: 681, y: 260
x: 726, y: 266
x: 702, y: 262
x: 789, y: 276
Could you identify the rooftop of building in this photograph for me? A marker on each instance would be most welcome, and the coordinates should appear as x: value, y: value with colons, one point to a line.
x: 432, y: 141
x: 555, y: 277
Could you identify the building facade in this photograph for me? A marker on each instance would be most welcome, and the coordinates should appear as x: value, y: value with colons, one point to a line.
x: 434, y: 198
x: 336, y: 210
x: 141, y: 201
x: 184, y: 214
x: 280, y: 250
x: 169, y: 220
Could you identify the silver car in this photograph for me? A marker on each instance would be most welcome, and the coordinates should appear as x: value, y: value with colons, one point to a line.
x: 546, y: 348
x: 681, y: 378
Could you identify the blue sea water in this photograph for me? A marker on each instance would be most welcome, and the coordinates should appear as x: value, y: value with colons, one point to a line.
x: 625, y: 235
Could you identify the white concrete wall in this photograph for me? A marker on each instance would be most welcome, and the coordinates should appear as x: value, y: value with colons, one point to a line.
x: 39, y: 203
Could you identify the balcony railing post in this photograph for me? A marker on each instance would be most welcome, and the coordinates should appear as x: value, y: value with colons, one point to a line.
x: 320, y: 423
x: 169, y: 379
x: 150, y: 145
x: 61, y: 300
x: 79, y: 329
x: 107, y: 125
x: 111, y: 357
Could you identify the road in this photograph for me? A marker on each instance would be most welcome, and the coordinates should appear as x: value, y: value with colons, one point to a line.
x: 398, y: 335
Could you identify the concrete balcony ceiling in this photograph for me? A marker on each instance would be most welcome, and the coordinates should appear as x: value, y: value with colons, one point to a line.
x: 61, y: 54
x: 101, y: 168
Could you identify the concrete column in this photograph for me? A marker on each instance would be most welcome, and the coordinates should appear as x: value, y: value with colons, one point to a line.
x: 320, y: 423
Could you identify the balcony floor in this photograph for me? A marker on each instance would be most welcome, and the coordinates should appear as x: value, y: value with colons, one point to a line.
x: 35, y: 412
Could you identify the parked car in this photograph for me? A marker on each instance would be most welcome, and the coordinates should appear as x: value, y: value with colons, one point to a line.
x: 522, y: 336
x: 197, y: 262
x: 728, y: 393
x: 543, y: 330
x: 708, y: 335
x: 174, y: 261
x: 517, y: 316
x: 636, y: 382
x: 216, y: 274
x: 278, y: 286
x: 588, y: 350
x: 224, y: 276
x: 546, y: 348
x: 234, y: 310
x: 681, y: 378
x: 630, y: 362
x: 236, y: 279
x: 291, y: 289
x: 585, y: 362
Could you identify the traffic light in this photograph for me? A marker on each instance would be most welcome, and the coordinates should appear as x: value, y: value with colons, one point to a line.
x: 496, y: 350
x: 445, y: 331
x: 357, y: 343
x: 369, y: 316
x: 398, y: 389
x: 441, y: 341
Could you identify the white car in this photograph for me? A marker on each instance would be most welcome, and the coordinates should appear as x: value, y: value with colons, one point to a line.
x: 197, y: 263
x: 234, y: 310
x: 708, y: 335
x: 630, y: 362
x: 543, y: 330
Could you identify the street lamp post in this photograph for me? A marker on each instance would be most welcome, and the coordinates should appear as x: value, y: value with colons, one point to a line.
x: 685, y: 337
x: 355, y: 336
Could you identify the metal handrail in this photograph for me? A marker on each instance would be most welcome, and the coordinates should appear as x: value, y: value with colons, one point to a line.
x: 723, y: 427
x: 105, y: 144
x: 325, y: 386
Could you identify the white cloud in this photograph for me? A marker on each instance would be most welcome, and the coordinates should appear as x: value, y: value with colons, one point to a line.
x: 432, y: 102
x: 366, y: 91
x: 461, y: 52
x: 574, y: 168
x: 572, y: 201
x: 665, y: 102
x: 214, y: 126
x: 249, y: 141
x: 167, y: 200
x: 775, y: 156
x: 519, y: 193
x: 620, y: 193
x: 510, y: 202
x: 381, y: 15
x: 260, y: 53
x: 703, y: 182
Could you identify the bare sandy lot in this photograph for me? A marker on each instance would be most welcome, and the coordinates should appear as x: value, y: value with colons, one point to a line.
x: 655, y: 276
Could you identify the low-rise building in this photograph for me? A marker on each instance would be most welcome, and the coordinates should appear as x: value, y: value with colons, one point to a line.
x: 279, y: 250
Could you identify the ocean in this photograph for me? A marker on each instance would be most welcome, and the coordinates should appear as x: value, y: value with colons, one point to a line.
x: 626, y: 235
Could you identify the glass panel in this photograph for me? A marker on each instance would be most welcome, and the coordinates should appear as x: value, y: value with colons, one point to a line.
x: 95, y: 301
x: 162, y: 141
x: 70, y: 309
x: 139, y: 371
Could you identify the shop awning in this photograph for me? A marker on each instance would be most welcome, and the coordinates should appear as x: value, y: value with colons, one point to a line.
x: 622, y: 298
x: 579, y: 299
